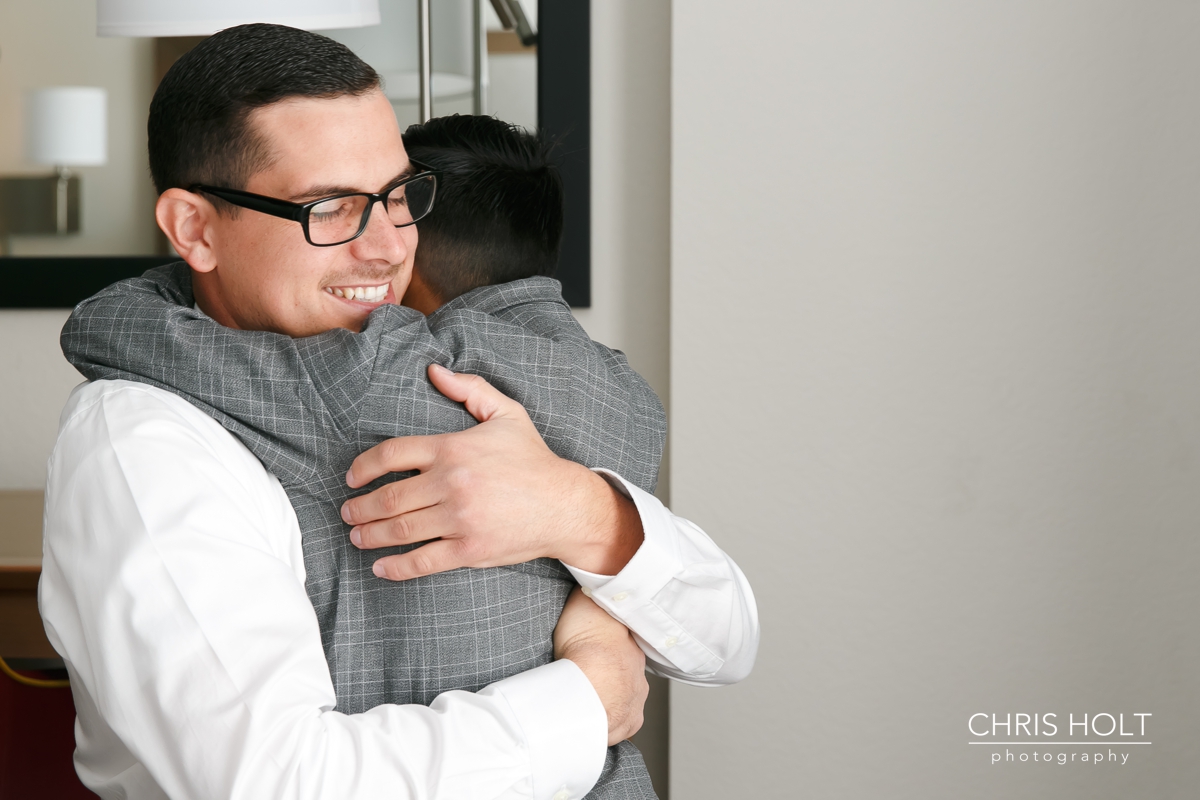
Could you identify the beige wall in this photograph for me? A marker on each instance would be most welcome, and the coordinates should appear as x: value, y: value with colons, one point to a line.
x: 631, y: 226
x: 53, y: 43
x: 935, y: 384
x: 37, y: 382
x: 631, y: 159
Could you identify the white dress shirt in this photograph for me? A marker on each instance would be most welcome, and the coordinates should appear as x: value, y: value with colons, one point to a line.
x: 173, y: 587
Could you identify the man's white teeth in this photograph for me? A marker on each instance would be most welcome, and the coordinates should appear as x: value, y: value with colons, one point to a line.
x: 366, y: 294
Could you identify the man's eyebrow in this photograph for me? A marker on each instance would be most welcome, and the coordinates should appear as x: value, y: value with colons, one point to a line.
x: 329, y: 189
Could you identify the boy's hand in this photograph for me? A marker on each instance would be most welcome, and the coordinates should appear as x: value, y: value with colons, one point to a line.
x: 488, y: 496
x: 607, y: 654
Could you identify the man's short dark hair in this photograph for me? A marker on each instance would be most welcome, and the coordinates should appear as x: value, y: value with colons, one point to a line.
x: 198, y: 127
x: 499, y: 209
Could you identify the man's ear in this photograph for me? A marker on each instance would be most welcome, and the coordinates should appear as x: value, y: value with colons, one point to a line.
x: 187, y: 220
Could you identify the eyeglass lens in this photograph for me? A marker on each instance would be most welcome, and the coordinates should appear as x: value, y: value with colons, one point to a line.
x: 339, y: 219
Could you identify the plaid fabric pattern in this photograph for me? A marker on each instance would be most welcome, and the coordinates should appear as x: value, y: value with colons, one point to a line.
x: 307, y: 407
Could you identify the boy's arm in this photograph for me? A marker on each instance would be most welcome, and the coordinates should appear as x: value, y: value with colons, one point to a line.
x: 589, y: 405
x: 496, y: 495
x: 686, y: 601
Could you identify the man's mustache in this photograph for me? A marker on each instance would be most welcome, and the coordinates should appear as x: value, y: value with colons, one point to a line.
x: 365, y: 276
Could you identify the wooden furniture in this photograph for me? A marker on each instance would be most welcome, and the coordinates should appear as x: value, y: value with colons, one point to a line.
x: 21, y: 632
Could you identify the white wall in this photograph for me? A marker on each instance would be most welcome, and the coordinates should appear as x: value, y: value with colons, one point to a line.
x: 631, y: 157
x: 54, y: 43
x: 631, y: 143
x: 512, y: 88
x: 38, y: 380
x: 935, y: 384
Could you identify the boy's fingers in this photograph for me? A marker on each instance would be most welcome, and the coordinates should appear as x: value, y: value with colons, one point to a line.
x: 415, y: 526
x: 391, y: 500
x: 440, y: 556
x: 481, y: 399
x: 394, y: 455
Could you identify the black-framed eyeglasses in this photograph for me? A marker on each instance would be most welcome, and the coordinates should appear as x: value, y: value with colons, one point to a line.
x: 342, y: 218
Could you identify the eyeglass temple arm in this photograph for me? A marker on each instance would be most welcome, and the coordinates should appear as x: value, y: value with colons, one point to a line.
x: 256, y: 202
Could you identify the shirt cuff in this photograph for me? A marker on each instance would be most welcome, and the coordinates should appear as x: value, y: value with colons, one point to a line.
x: 565, y: 728
x: 629, y: 595
x: 652, y: 566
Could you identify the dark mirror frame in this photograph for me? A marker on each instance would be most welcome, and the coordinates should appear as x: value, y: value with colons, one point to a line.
x: 564, y: 115
x: 63, y: 281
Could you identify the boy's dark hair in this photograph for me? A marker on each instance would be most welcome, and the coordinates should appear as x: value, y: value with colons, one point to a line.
x: 198, y: 127
x: 499, y: 210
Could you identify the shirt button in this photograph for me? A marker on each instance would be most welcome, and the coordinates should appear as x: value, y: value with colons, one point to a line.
x: 671, y: 641
x: 619, y: 596
x: 562, y: 794
x: 586, y: 591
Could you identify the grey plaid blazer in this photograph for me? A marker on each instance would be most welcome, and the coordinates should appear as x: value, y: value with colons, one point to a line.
x: 307, y: 407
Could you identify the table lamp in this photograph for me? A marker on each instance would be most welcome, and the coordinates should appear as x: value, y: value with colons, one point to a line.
x: 65, y: 127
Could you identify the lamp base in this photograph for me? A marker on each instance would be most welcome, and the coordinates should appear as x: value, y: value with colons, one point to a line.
x: 39, y: 205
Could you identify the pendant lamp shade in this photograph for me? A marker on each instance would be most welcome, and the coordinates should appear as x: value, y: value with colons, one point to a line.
x: 188, y: 18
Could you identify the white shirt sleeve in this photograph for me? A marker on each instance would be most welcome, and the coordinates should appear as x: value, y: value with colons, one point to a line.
x: 173, y: 588
x: 686, y: 602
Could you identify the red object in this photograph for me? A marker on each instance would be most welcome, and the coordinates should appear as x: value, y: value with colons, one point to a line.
x: 37, y: 739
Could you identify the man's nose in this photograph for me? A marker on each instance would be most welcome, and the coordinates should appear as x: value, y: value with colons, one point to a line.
x: 381, y: 240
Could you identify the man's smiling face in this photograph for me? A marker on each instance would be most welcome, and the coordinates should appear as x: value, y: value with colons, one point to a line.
x: 267, y: 277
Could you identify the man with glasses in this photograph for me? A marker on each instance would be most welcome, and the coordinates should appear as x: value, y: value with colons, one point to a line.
x: 331, y: 221
x: 174, y: 579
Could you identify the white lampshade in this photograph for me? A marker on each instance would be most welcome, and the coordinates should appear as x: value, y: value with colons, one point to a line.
x: 67, y: 126
x: 193, y: 18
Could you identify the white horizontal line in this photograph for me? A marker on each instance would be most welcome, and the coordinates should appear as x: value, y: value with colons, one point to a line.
x: 1113, y: 742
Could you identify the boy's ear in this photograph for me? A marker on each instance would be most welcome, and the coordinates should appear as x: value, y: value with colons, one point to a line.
x: 187, y: 220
